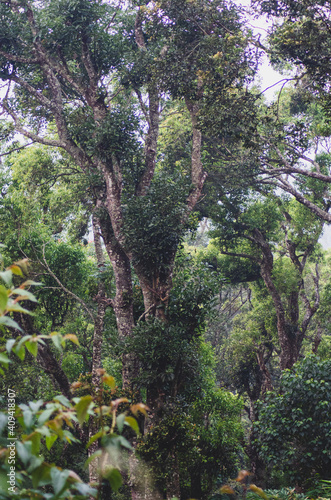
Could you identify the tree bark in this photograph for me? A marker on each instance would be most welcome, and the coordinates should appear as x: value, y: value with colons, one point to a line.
x: 173, y: 484
x: 101, y: 300
x: 196, y: 487
x: 123, y: 302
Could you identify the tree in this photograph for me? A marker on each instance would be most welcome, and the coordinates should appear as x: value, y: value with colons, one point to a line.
x: 258, y: 231
x: 301, y: 41
x: 96, y: 128
x: 93, y: 78
x: 42, y: 214
x: 302, y: 37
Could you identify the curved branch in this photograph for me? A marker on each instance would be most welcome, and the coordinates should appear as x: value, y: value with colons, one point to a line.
x: 31, y: 135
x: 45, y: 265
x: 37, y: 94
x: 286, y: 186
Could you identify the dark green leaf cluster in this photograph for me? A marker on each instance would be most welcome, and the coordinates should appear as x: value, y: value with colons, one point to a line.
x: 180, y: 37
x: 165, y: 353
x: 170, y: 351
x: 206, y: 432
x: 155, y: 223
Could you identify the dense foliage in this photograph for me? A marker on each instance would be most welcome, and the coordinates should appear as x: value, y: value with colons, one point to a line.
x: 293, y: 427
x: 164, y: 296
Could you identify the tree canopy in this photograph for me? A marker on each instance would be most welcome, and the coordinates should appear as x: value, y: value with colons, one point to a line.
x: 163, y: 288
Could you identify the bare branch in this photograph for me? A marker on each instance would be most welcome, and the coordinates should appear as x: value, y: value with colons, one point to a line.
x: 286, y: 186
x: 16, y: 149
x: 36, y: 93
x: 46, y: 266
x: 31, y: 135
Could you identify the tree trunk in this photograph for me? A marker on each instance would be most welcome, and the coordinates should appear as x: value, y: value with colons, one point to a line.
x: 258, y: 468
x: 173, y: 485
x: 286, y: 333
x: 101, y: 300
x: 196, y: 489
x: 123, y: 303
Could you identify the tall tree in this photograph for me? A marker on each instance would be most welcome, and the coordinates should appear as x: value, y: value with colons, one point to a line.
x: 78, y: 65
x: 94, y: 78
x: 279, y: 237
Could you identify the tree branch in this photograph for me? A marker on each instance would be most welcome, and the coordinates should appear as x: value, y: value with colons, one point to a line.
x: 243, y: 255
x: 46, y: 266
x: 12, y: 57
x: 31, y: 135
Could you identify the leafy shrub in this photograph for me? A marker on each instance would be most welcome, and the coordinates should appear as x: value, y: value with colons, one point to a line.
x: 293, y: 432
x: 29, y: 430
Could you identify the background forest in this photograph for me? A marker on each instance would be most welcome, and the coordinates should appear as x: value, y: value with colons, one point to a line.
x: 164, y: 298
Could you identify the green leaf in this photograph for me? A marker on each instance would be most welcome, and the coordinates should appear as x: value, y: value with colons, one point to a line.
x: 90, y: 459
x: 6, y: 321
x: 124, y: 442
x: 120, y: 422
x: 9, y: 345
x: 72, y: 337
x: 63, y: 400
x: 20, y: 352
x: 15, y: 307
x: 32, y: 347
x: 28, y: 418
x: 57, y: 341
x: 114, y: 441
x: 24, y: 451
x: 94, y: 438
x: 30, y: 282
x: 86, y: 490
x: 24, y: 294
x: 82, y: 408
x: 114, y: 477
x: 7, y: 277
x: 3, y: 298
x: 132, y: 422
x: 4, y: 359
x: 35, y: 440
x: 41, y: 476
x: 3, y: 422
x: 59, y: 479
x: 23, y: 264
x: 50, y: 440
x: 44, y: 431
x: 16, y: 270
x: 36, y: 405
x: 23, y: 340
